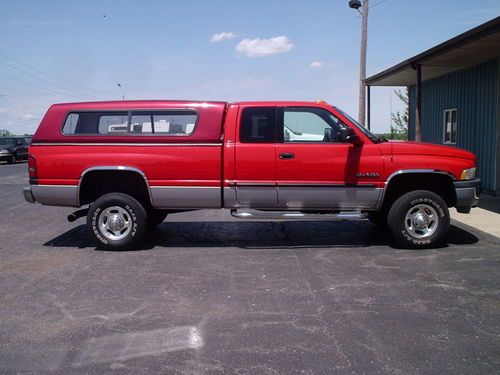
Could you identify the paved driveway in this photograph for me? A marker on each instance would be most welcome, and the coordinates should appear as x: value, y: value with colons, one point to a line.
x: 210, y: 295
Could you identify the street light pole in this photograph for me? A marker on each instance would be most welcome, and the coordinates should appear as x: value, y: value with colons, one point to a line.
x: 356, y: 4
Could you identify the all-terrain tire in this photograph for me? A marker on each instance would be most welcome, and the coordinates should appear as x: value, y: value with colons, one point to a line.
x: 117, y: 221
x: 419, y: 219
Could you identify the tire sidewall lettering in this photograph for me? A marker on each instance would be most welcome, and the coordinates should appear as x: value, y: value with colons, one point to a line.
x: 97, y: 231
x: 404, y: 204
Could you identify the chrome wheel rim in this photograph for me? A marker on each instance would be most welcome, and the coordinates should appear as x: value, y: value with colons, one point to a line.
x: 115, y: 223
x: 421, y: 221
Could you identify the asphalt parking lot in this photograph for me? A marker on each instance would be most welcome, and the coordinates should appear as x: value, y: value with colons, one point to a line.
x: 211, y: 295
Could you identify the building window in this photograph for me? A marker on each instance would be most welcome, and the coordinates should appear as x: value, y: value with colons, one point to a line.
x: 450, y: 126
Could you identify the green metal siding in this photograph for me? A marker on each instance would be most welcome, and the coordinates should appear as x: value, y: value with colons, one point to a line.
x: 474, y: 93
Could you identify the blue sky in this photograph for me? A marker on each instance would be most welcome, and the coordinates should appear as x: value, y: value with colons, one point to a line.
x: 283, y: 50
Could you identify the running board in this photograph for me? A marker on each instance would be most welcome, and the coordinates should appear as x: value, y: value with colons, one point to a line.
x: 293, y: 215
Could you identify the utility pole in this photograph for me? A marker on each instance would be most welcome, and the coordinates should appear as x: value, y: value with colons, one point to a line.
x: 362, y: 64
x: 356, y: 4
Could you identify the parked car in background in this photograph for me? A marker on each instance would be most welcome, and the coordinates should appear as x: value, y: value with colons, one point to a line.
x: 13, y: 149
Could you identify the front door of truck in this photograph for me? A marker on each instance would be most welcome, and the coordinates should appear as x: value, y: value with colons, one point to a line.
x: 316, y: 170
x: 255, y: 169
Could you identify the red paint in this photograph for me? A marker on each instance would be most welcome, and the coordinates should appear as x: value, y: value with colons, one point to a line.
x: 223, y: 160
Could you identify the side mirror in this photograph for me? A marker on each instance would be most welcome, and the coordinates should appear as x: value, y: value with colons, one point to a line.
x: 348, y: 135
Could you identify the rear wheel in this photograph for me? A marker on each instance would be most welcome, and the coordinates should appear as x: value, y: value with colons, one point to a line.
x: 117, y: 221
x: 419, y: 219
x: 156, y: 217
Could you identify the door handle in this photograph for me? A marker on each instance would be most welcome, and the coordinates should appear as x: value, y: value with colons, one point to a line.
x: 287, y: 155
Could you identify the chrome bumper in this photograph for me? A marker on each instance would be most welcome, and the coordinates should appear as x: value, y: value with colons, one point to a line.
x: 467, y: 194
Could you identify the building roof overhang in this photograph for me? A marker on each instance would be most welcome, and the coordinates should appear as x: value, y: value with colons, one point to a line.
x: 473, y: 47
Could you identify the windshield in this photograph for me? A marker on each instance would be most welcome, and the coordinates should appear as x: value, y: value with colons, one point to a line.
x: 365, y: 131
x: 7, y: 141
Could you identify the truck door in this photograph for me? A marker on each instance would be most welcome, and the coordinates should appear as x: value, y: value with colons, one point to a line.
x: 315, y: 170
x: 255, y: 166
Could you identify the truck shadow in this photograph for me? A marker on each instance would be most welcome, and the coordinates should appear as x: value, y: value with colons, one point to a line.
x: 258, y: 235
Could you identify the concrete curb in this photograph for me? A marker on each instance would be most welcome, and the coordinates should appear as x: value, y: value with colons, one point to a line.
x: 481, y: 219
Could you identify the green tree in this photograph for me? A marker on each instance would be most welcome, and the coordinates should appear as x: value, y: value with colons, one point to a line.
x: 5, y: 133
x: 399, y: 126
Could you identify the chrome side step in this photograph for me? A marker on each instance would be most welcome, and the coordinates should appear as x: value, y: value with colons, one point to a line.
x: 294, y: 215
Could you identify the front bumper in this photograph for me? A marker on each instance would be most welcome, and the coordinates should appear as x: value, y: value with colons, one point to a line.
x: 467, y: 194
x: 5, y: 157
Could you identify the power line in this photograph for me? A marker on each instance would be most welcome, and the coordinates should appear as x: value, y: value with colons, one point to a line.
x: 35, y: 77
x: 19, y: 118
x: 54, y: 77
x: 376, y: 4
x: 40, y: 87
x: 21, y: 92
x: 9, y: 96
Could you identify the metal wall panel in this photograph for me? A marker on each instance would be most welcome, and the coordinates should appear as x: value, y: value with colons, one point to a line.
x: 474, y: 92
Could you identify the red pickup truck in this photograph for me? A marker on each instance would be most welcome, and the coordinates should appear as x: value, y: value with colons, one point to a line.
x: 130, y: 163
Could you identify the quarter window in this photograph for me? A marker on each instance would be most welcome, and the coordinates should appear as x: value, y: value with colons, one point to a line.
x: 169, y: 122
x: 258, y: 125
x: 450, y: 126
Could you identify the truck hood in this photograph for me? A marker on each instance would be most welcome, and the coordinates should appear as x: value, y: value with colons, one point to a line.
x: 430, y: 149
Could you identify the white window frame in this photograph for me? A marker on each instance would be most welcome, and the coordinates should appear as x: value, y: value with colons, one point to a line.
x: 450, y: 111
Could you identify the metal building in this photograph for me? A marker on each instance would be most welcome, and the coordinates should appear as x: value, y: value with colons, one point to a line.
x: 455, y: 96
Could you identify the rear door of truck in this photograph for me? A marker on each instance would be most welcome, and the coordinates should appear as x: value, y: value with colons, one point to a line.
x: 255, y: 165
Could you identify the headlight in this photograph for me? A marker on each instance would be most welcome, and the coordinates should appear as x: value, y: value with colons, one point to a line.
x: 4, y: 152
x: 468, y: 174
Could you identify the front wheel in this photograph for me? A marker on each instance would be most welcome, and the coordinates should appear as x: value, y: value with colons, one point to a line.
x: 117, y: 221
x: 419, y: 219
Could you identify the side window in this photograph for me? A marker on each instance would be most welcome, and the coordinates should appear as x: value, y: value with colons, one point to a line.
x: 168, y: 122
x: 258, y: 125
x: 163, y: 122
x: 70, y: 123
x: 111, y: 123
x: 96, y: 123
x: 302, y: 124
x: 450, y: 126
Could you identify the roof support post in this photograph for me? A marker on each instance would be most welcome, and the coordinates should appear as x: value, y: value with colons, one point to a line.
x: 368, y: 96
x: 418, y: 112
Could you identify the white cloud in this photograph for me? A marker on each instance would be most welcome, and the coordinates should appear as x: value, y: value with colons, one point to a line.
x: 264, y: 47
x: 223, y: 36
x: 28, y: 117
x: 316, y: 64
